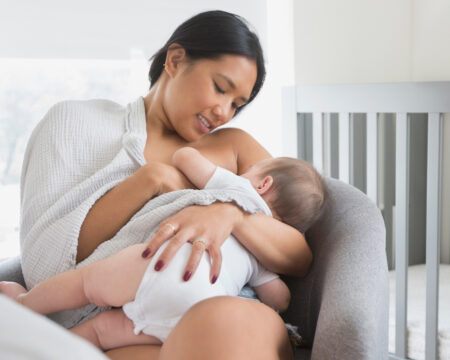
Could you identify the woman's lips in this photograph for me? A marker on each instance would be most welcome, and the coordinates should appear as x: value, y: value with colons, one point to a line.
x: 205, y: 126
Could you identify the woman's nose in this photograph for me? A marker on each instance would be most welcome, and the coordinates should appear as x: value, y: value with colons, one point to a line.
x: 220, y: 110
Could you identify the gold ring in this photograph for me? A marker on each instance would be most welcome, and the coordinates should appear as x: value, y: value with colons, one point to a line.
x: 173, y: 228
x: 201, y: 240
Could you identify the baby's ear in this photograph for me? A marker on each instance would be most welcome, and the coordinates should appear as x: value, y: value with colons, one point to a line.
x: 264, y: 185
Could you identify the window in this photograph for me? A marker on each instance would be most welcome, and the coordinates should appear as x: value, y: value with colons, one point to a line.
x: 28, y: 88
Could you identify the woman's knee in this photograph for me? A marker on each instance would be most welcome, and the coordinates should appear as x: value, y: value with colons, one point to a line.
x: 232, y: 311
x: 228, y: 327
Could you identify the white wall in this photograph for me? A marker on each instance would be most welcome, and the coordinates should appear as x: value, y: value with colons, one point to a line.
x: 263, y: 117
x: 101, y: 29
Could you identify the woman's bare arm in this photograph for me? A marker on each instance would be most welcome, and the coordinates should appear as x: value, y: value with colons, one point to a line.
x: 279, y: 247
x: 112, y: 211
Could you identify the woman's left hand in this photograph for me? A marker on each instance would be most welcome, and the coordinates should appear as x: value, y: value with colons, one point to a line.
x: 206, y: 227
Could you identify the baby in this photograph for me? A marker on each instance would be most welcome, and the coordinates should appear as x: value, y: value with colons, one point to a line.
x: 152, y: 303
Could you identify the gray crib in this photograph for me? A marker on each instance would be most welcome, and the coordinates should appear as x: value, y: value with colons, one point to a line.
x: 337, y: 128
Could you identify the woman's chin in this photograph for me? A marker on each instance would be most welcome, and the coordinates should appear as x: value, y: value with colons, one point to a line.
x: 192, y: 137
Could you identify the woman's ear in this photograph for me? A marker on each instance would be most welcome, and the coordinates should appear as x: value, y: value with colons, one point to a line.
x: 264, y: 185
x: 176, y: 55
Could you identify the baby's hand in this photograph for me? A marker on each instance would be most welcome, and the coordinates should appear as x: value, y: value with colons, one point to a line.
x: 12, y: 289
x: 165, y: 178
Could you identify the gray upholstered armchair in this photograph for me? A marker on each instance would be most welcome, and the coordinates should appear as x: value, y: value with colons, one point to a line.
x: 341, y: 307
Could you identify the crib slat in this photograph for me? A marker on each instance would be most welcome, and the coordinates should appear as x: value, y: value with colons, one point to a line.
x: 351, y: 150
x: 433, y: 232
x: 344, y: 147
x: 317, y: 129
x: 401, y: 230
x: 327, y: 155
x: 372, y: 156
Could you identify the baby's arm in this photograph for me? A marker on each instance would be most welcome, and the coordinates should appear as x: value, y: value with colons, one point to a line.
x: 274, y: 293
x: 194, y: 166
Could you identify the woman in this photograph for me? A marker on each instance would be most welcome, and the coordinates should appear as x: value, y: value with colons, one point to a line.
x: 210, y: 68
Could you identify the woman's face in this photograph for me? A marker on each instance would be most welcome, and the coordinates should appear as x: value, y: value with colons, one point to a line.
x: 204, y: 94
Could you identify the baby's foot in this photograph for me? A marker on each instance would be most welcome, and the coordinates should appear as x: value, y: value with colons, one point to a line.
x: 11, y: 289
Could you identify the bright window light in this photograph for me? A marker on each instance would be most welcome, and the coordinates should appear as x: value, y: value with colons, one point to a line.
x: 28, y: 88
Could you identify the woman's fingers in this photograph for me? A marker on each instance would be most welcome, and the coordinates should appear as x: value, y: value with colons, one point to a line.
x: 171, y: 249
x: 165, y: 231
x: 199, y: 246
x: 216, y: 263
x: 198, y: 249
x: 188, y: 224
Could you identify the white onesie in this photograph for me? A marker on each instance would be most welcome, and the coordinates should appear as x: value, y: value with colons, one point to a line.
x: 163, y: 297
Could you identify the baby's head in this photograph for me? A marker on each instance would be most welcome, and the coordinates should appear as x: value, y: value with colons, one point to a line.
x: 293, y: 189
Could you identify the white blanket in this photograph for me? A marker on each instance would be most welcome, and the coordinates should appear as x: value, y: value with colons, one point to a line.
x: 25, y: 335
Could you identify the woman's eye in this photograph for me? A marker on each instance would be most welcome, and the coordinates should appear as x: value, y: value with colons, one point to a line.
x: 221, y: 91
x: 218, y: 88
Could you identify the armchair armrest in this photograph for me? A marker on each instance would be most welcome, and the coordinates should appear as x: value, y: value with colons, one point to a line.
x: 11, y: 270
x: 341, y: 307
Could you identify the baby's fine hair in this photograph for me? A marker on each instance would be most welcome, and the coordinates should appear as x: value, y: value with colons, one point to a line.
x: 300, y: 192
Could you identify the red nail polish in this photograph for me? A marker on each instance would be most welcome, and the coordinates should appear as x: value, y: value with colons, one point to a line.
x: 146, y: 253
x: 159, y: 265
x: 187, y: 275
x: 214, y: 279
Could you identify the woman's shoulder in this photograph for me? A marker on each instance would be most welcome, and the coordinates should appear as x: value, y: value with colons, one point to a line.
x: 246, y: 148
x: 80, y: 119
x: 80, y: 114
x: 86, y: 106
x: 234, y: 137
x: 230, y: 132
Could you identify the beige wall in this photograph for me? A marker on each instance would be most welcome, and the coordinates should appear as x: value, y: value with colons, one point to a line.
x: 360, y: 41
x: 431, y: 35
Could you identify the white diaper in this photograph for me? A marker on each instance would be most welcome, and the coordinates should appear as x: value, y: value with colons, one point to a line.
x: 163, y: 297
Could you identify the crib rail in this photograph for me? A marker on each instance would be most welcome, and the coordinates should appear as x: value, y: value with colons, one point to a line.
x: 403, y: 99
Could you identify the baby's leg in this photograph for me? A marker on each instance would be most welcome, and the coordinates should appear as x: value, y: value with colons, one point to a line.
x: 115, y: 280
x: 109, y: 282
x: 112, y: 329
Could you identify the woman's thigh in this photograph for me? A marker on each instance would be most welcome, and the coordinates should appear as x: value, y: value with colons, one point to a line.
x: 228, y: 328
x: 135, y: 352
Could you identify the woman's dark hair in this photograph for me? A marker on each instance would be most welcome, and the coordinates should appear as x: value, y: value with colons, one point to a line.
x: 209, y: 35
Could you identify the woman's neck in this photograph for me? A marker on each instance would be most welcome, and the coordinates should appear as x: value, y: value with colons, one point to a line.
x: 162, y: 139
x: 155, y: 115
